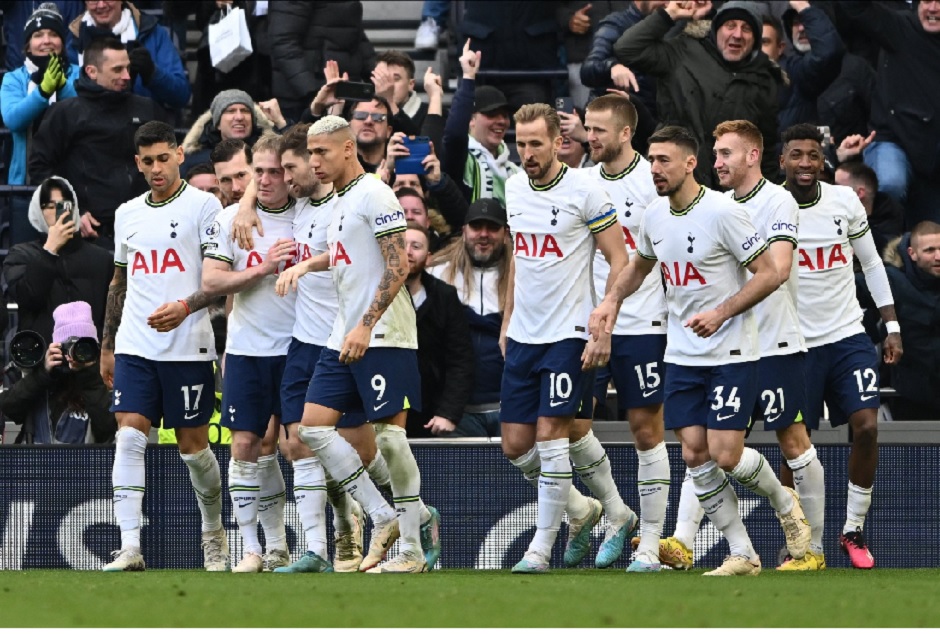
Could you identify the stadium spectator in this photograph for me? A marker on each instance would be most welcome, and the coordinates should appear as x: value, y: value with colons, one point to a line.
x: 15, y: 15
x: 90, y: 139
x: 253, y: 74
x: 417, y: 211
x: 812, y: 65
x: 578, y: 21
x: 370, y: 122
x: 885, y: 215
x: 231, y: 160
x: 478, y: 267
x: 233, y: 114
x: 59, y: 267
x: 601, y: 69
x: 913, y: 267
x: 906, y: 152
x: 303, y: 36
x: 27, y: 92
x: 394, y: 79
x: 442, y: 196
x: 573, y: 154
x: 434, y: 16
x: 202, y: 177
x: 515, y: 36
x: 445, y: 353
x: 742, y: 82
x: 156, y: 69
x: 480, y: 161
x: 62, y: 400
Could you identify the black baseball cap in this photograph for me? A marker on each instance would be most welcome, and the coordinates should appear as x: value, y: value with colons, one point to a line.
x: 487, y: 99
x: 488, y: 209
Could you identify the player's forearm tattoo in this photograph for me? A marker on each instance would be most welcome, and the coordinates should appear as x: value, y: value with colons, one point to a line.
x: 114, y: 309
x: 396, y: 270
x: 198, y: 301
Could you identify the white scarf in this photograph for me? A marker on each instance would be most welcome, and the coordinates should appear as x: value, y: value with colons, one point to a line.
x: 32, y: 68
x: 125, y: 30
x: 494, y: 170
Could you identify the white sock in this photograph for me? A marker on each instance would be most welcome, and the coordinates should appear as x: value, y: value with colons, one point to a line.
x: 341, y: 461
x: 856, y: 509
x: 310, y: 497
x: 244, y: 489
x: 206, y: 477
x: 531, y: 465
x: 406, y: 483
x: 720, y: 502
x: 810, y: 483
x: 690, y: 513
x: 653, y: 483
x: 554, y: 484
x: 272, y: 496
x: 755, y: 474
x: 127, y: 478
x: 591, y: 463
x: 378, y: 468
x: 341, y: 503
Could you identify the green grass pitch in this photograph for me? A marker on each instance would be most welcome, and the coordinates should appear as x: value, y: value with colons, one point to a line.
x: 466, y: 598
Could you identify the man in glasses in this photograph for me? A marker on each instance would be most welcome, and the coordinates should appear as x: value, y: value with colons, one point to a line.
x: 369, y: 121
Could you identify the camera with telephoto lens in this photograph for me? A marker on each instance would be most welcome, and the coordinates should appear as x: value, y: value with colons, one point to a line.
x: 28, y: 350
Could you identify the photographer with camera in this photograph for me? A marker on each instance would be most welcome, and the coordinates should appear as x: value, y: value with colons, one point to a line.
x: 59, y: 267
x: 61, y: 398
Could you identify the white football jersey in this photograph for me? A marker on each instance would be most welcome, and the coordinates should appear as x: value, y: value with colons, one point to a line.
x: 553, y: 230
x: 160, y: 245
x: 481, y: 295
x: 366, y: 210
x: 775, y: 215
x: 644, y: 312
x: 260, y: 323
x: 316, y: 296
x: 703, y: 251
x: 828, y: 308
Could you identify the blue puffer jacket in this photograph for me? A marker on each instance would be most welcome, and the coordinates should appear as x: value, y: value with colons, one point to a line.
x: 22, y: 109
x: 169, y: 85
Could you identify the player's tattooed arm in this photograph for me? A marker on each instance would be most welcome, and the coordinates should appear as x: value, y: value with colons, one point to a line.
x: 114, y: 309
x: 198, y: 301
x: 396, y: 271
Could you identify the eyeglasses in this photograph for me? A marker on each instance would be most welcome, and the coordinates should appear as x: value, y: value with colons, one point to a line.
x: 377, y: 117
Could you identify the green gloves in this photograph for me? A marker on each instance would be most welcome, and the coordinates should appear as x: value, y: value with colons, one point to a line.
x: 54, y: 77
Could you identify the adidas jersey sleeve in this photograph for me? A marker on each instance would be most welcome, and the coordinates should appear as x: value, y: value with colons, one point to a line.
x: 222, y: 247
x: 120, y: 239
x: 383, y: 212
x: 599, y: 212
x: 740, y: 237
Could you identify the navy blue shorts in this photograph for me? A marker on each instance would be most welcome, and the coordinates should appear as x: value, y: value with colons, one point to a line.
x: 251, y: 392
x: 781, y: 390
x: 716, y: 397
x: 637, y: 368
x: 844, y: 374
x: 545, y: 380
x: 182, y: 393
x: 301, y: 360
x: 381, y: 384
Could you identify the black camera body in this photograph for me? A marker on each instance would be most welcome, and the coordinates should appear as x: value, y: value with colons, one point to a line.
x: 28, y: 350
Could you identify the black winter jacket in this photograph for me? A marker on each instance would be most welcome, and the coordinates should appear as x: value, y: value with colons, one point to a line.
x: 445, y: 356
x: 906, y: 104
x: 513, y: 35
x: 305, y: 34
x: 845, y: 106
x: 698, y: 89
x: 39, y: 282
x: 89, y: 140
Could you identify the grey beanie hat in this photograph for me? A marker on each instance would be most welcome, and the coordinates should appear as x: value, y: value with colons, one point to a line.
x: 741, y: 10
x: 228, y: 98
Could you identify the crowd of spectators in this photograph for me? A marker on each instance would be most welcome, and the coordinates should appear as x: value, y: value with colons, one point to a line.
x: 81, y: 77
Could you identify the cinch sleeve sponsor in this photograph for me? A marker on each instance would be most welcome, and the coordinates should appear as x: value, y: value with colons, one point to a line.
x: 388, y: 217
x: 741, y: 238
x: 784, y: 222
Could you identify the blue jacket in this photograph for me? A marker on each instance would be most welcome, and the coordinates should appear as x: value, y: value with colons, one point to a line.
x: 15, y: 15
x: 21, y: 110
x: 810, y: 73
x: 595, y: 69
x: 169, y: 85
